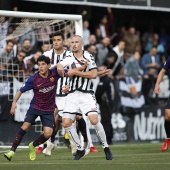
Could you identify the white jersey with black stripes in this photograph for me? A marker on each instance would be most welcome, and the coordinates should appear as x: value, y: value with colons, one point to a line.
x: 55, y: 59
x: 76, y: 82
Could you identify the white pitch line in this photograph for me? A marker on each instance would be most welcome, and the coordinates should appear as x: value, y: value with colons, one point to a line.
x: 8, y: 150
x: 4, y: 151
x: 84, y: 163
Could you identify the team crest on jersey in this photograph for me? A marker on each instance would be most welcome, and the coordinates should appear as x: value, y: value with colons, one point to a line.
x: 93, y: 63
x: 52, y: 79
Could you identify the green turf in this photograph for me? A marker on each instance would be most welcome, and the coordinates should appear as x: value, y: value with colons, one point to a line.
x: 126, y: 157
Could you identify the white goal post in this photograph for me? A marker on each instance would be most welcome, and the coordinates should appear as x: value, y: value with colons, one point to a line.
x: 76, y: 18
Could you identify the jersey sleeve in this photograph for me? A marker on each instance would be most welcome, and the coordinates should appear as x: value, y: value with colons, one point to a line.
x: 67, y: 62
x: 167, y: 64
x: 28, y: 85
x: 47, y: 54
x: 56, y: 73
x: 92, y: 63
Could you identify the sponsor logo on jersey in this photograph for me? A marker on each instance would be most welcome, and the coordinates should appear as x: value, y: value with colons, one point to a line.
x: 52, y: 79
x: 45, y: 90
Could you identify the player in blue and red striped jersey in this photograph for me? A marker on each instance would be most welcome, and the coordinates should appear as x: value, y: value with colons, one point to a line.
x: 43, y: 83
x: 161, y: 74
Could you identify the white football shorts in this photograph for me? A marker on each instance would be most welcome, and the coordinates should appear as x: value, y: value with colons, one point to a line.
x: 79, y: 101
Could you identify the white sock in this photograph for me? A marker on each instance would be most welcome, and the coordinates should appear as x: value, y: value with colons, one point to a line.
x: 101, y: 134
x: 88, y: 131
x: 74, y: 137
x: 89, y: 136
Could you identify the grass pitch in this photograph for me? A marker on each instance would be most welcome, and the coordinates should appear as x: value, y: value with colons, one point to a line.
x: 126, y: 157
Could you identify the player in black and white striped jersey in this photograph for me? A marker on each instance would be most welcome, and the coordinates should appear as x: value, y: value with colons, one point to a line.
x: 57, y: 54
x: 81, y: 95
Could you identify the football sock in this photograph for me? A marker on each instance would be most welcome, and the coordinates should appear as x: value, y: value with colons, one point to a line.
x: 18, y: 138
x: 74, y: 137
x: 101, y: 134
x: 53, y: 135
x: 41, y: 139
x: 167, y: 128
x: 82, y: 128
x: 45, y: 145
x: 89, y: 136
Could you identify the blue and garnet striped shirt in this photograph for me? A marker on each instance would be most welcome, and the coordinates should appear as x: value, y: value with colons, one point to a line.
x: 44, y: 90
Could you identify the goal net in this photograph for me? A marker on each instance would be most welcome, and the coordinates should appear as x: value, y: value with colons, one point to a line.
x: 38, y: 28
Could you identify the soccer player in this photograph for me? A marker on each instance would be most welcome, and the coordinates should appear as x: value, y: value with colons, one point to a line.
x: 161, y: 74
x: 81, y: 95
x: 56, y: 55
x: 43, y: 83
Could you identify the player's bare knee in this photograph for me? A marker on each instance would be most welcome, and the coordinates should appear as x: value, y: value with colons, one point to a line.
x: 94, y: 122
x: 47, y: 135
x: 66, y: 123
x: 26, y: 126
x: 93, y: 118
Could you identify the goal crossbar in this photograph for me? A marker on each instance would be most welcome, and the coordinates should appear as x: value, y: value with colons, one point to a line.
x: 76, y: 18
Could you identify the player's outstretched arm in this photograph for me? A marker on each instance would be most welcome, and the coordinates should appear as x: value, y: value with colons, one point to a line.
x: 105, y: 71
x: 14, y: 103
x: 88, y: 74
x: 158, y: 81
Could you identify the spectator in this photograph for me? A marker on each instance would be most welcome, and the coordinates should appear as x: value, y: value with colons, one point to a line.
x: 15, y: 47
x: 106, y: 23
x: 150, y: 64
x: 147, y: 36
x: 67, y: 42
x: 6, y: 53
x: 98, y: 35
x: 16, y: 66
x: 32, y: 59
x: 45, y: 47
x: 118, y: 35
x: 119, y: 50
x: 132, y: 41
x: 92, y: 41
x: 110, y: 60
x: 30, y: 67
x: 86, y: 32
x: 43, y: 35
x: 27, y: 47
x: 92, y: 50
x: 4, y: 23
x: 102, y: 51
x: 19, y: 48
x: 28, y: 34
x: 132, y: 66
x: 150, y: 60
x: 155, y: 42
